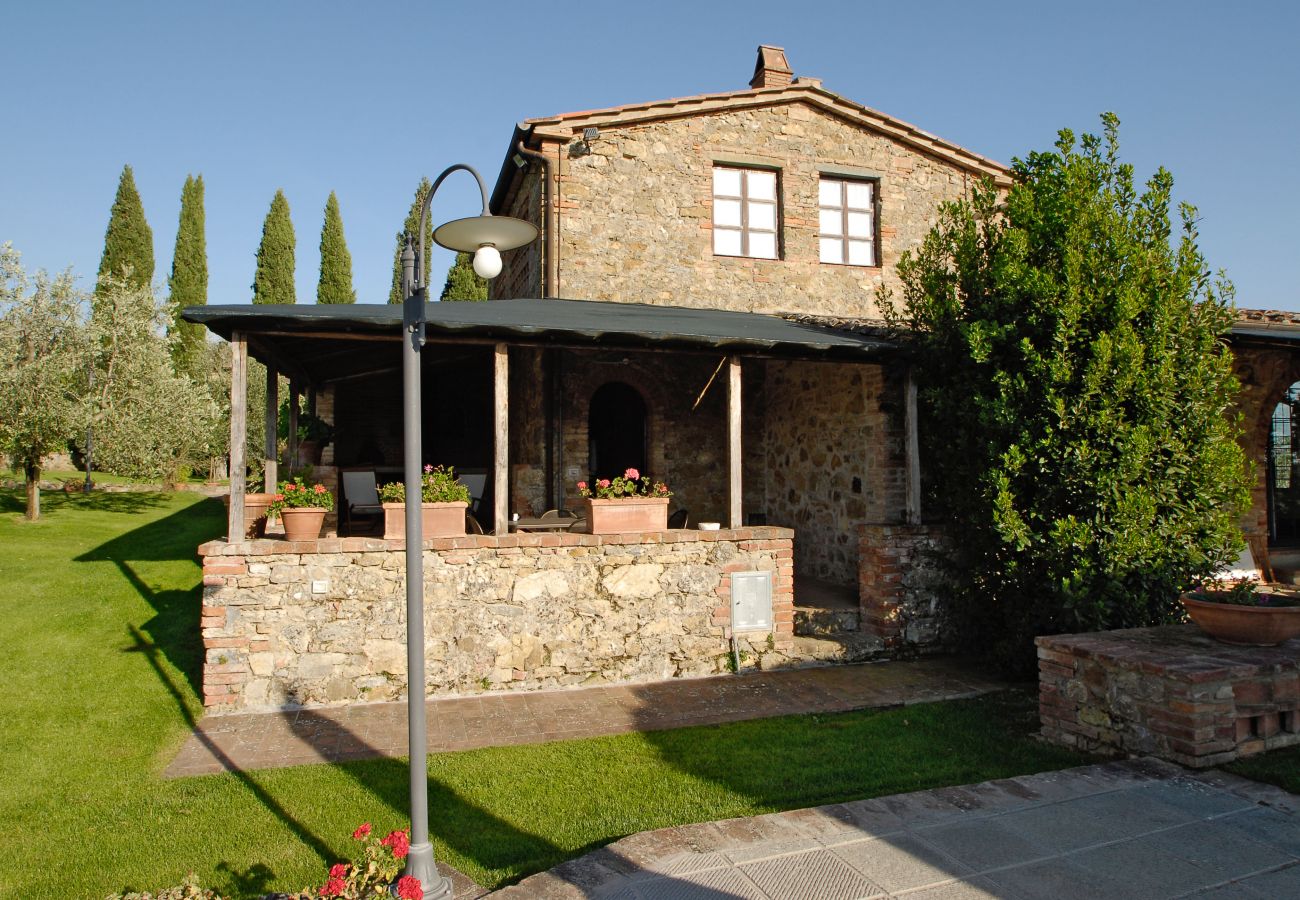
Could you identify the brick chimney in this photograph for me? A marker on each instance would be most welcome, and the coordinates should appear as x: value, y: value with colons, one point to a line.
x: 771, y: 70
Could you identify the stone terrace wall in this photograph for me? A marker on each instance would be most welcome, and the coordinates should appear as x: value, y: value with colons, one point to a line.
x: 323, y: 622
x: 1171, y: 692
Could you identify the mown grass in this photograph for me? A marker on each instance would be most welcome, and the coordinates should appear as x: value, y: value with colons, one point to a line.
x: 99, y: 657
x: 1280, y: 767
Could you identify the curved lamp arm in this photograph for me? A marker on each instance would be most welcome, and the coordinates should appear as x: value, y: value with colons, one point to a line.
x: 417, y: 281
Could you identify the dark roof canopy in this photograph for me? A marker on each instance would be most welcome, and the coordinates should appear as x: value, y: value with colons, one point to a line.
x: 313, y: 339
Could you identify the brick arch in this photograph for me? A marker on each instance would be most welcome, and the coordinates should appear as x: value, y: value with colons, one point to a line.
x: 581, y: 383
x: 1265, y: 376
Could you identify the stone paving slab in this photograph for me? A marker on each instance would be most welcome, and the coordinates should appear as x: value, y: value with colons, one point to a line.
x: 246, y: 741
x: 1150, y: 830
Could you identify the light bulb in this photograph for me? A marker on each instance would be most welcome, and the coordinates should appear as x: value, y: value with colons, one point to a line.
x: 487, y: 261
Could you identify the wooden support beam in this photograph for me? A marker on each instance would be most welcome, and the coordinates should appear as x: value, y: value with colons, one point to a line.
x: 235, y: 527
x: 735, y: 494
x: 501, y: 439
x: 912, y: 452
x: 270, y: 444
x: 291, y: 464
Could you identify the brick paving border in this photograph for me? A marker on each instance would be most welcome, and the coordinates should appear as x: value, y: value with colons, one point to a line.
x: 246, y: 741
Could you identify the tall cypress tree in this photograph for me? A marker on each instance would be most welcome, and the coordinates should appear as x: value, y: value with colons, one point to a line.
x: 395, y: 295
x: 273, y: 282
x: 188, y: 284
x: 463, y: 283
x: 335, y: 261
x: 128, y: 242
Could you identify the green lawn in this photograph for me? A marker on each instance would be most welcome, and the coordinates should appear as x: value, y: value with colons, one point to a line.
x: 1281, y: 767
x: 98, y: 662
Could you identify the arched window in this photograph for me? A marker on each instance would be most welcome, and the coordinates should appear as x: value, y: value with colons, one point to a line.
x: 1283, y: 471
x: 616, y: 431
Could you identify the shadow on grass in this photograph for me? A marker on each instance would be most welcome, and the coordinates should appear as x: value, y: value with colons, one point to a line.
x: 52, y: 502
x: 175, y: 627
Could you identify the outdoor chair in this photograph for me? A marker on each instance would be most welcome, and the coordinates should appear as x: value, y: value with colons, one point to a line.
x: 471, y: 524
x: 680, y: 519
x: 361, y: 497
x: 559, y: 514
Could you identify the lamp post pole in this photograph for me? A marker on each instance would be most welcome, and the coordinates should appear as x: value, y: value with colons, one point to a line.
x: 484, y: 235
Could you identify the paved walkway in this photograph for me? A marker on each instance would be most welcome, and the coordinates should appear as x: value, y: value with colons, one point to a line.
x: 365, y: 731
x: 1143, y: 830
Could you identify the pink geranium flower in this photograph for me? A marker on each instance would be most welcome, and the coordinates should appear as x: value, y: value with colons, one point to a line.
x: 632, y: 474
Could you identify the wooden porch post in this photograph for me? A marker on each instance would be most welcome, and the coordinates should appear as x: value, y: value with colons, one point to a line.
x: 291, y: 464
x: 735, y: 495
x: 501, y: 439
x: 270, y: 461
x: 238, y: 433
x: 912, y: 452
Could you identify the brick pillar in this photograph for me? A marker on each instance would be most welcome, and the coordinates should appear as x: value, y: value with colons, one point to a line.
x: 889, y: 559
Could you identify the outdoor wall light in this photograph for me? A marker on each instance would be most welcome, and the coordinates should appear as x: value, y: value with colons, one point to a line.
x: 485, y: 236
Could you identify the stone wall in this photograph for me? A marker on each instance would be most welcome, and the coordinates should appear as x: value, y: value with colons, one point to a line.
x: 833, y: 460
x: 900, y: 592
x: 1265, y: 375
x: 636, y: 211
x: 1171, y: 692
x: 289, y: 624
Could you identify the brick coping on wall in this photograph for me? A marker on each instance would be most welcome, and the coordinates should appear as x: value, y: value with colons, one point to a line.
x: 273, y: 547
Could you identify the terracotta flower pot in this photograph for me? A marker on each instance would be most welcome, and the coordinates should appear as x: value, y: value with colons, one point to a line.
x: 436, y: 519
x: 303, y: 523
x: 627, y: 514
x: 309, y: 453
x: 1251, y: 626
x: 255, y: 507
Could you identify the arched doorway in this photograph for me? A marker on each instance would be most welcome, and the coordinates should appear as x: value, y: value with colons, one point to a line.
x: 616, y: 431
x: 1284, y: 472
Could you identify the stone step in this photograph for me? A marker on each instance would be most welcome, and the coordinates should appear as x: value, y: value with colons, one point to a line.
x: 839, y: 648
x: 822, y: 620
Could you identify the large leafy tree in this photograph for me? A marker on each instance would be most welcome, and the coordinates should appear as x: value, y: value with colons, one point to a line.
x: 1078, y: 398
x: 128, y: 242
x: 150, y: 421
x: 43, y: 358
x: 395, y: 293
x: 188, y: 284
x: 463, y: 283
x: 273, y: 281
x: 335, y: 261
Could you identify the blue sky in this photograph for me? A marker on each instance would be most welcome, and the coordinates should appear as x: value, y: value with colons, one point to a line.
x: 365, y: 98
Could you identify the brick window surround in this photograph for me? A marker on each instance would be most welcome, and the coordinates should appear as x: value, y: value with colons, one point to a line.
x: 746, y: 212
x: 846, y: 216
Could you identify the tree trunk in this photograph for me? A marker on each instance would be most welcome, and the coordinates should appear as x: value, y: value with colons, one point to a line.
x: 32, y: 472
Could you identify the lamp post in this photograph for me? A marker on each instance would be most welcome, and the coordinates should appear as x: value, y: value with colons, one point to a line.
x: 485, y: 236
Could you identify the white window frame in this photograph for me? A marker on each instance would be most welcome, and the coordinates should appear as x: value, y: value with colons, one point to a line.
x: 745, y: 229
x: 843, y: 209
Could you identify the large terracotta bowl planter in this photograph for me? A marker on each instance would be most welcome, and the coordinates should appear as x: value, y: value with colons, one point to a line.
x: 437, y: 519
x: 627, y: 514
x: 255, y: 507
x: 303, y: 523
x: 1250, y: 626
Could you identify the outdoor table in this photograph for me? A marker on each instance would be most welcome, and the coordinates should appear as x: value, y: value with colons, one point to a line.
x: 535, y: 523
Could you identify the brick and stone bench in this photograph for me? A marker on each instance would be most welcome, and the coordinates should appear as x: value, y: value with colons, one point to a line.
x: 1171, y: 692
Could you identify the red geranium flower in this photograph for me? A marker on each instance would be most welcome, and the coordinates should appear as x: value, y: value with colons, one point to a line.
x: 582, y: 485
x: 320, y: 488
x: 333, y: 888
x: 362, y: 832
x: 279, y: 497
x: 399, y: 842
x: 603, y: 483
x: 409, y: 888
x: 339, y: 870
x: 290, y: 486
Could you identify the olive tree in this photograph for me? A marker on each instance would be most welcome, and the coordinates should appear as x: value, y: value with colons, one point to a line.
x: 1077, y: 396
x: 43, y: 357
x: 150, y: 421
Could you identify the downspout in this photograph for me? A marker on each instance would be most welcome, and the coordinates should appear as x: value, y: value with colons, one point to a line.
x: 550, y: 288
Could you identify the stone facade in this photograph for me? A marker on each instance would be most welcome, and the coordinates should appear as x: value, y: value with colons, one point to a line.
x: 900, y: 592
x: 322, y: 622
x: 1171, y: 692
x: 635, y: 211
x: 1265, y: 373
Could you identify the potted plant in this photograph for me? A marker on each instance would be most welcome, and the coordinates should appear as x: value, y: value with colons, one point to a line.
x: 256, y: 507
x: 313, y: 434
x: 627, y: 503
x: 1244, y: 614
x: 302, y: 508
x: 443, y: 501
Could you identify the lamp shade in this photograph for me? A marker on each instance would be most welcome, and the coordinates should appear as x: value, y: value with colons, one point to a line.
x: 502, y: 232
